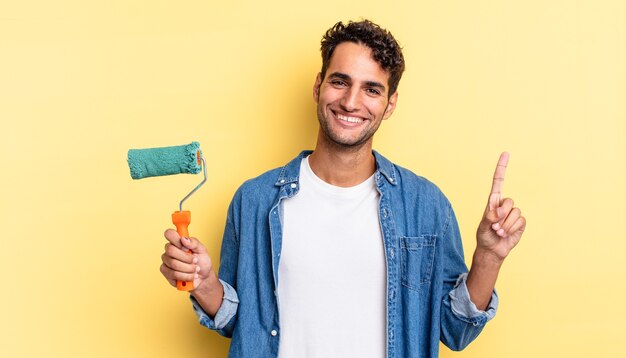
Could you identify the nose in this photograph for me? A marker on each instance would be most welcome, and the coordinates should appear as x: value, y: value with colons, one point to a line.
x: 350, y: 100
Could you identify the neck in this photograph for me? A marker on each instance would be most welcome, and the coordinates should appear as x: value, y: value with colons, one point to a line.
x: 342, y: 166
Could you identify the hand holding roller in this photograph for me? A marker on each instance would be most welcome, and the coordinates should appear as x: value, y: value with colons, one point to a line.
x: 161, y: 161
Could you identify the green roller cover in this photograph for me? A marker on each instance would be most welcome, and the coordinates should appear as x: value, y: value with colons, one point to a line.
x: 151, y: 162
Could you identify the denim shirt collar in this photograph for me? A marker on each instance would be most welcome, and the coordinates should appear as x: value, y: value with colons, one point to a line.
x: 290, y: 173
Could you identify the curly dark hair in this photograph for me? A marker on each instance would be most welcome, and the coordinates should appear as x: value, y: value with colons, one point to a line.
x: 385, y: 49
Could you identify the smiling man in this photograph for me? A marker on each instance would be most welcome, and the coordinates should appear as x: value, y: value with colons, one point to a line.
x: 341, y: 253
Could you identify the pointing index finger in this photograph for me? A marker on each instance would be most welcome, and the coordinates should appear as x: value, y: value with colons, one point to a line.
x: 498, y: 179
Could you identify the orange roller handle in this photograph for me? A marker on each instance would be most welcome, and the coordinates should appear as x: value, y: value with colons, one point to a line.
x: 181, y: 220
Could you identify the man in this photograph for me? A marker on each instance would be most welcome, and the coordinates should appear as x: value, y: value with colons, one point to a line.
x: 341, y: 253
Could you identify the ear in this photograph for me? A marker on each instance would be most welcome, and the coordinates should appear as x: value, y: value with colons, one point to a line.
x: 316, y: 87
x: 391, y: 105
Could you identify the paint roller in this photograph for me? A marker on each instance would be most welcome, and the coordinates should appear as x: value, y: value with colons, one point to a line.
x: 182, y: 159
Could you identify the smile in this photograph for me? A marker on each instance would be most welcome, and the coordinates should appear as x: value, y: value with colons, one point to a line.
x: 349, y: 119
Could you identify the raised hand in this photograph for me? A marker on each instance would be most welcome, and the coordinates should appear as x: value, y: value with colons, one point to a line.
x: 502, y: 224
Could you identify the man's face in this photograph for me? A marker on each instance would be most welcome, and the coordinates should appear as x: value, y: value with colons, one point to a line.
x: 352, y: 99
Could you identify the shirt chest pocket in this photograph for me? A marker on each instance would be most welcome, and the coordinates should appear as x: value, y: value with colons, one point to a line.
x: 416, y: 261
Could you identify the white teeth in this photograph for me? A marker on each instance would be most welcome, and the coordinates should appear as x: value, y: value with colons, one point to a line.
x: 349, y: 119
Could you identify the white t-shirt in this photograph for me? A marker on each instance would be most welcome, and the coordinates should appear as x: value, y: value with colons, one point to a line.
x: 332, y: 274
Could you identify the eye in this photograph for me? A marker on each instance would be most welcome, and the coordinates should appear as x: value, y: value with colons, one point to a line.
x: 373, y: 91
x: 338, y: 83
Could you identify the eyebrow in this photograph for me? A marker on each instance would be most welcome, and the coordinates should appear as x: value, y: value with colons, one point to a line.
x: 346, y: 77
x: 340, y: 75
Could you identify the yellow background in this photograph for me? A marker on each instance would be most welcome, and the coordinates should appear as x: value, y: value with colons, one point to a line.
x: 81, y: 82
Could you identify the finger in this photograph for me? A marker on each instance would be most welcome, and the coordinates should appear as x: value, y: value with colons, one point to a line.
x: 167, y: 273
x: 510, y: 220
x: 183, y: 257
x: 498, y: 179
x: 193, y: 244
x: 172, y: 275
x: 172, y: 236
x: 519, y: 225
x: 184, y: 276
x: 177, y: 265
x: 504, y: 209
x: 499, y: 213
x: 179, y: 254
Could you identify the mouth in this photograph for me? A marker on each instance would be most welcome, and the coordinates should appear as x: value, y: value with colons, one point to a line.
x: 348, y: 119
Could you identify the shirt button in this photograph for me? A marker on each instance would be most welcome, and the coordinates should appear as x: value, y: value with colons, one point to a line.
x: 293, y: 185
x: 392, y: 253
x: 282, y: 181
x: 273, y: 333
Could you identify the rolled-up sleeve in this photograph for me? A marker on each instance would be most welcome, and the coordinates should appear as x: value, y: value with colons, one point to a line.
x: 224, y: 314
x: 463, y: 307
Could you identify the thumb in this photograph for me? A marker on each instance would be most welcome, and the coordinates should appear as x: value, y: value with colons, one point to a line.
x: 193, y: 244
x: 201, y: 256
x: 491, y: 217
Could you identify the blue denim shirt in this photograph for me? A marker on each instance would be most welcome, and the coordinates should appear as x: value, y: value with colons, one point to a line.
x: 427, y: 299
